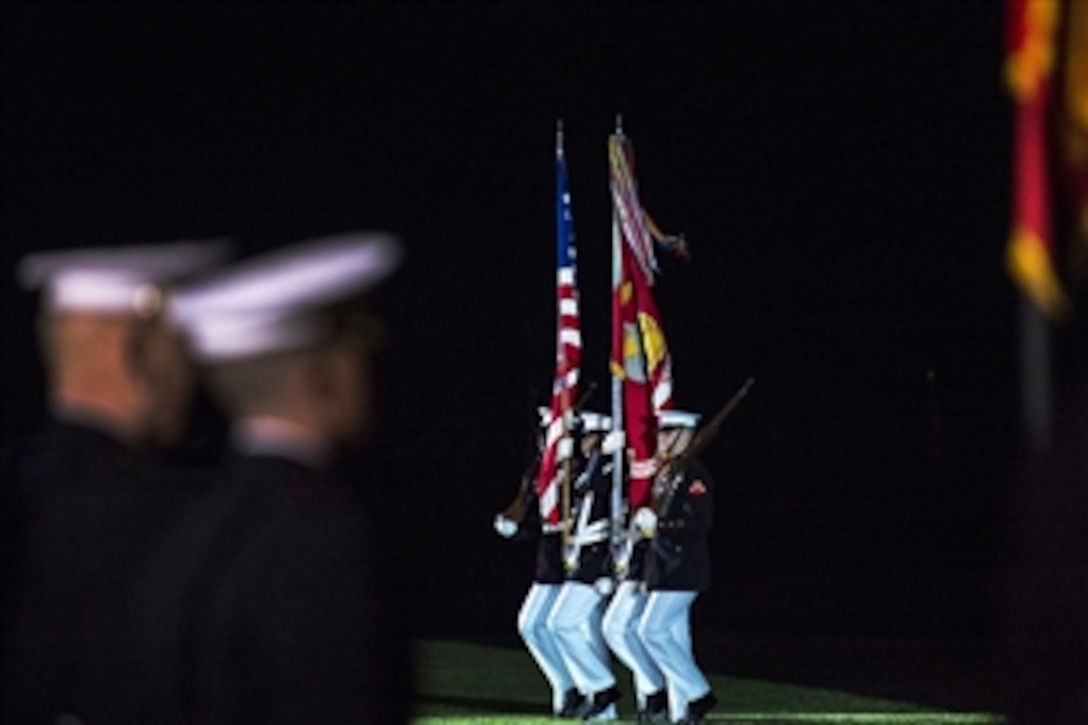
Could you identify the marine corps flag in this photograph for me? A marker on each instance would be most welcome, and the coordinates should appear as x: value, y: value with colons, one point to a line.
x: 640, y: 362
x: 568, y: 344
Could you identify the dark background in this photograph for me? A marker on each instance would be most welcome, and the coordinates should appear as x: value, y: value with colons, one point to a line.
x: 840, y: 169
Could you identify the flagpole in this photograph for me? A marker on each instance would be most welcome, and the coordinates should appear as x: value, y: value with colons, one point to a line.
x: 564, y: 486
x: 1036, y: 404
x: 618, y: 456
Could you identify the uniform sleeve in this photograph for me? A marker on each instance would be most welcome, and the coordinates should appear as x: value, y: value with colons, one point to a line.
x: 529, y: 527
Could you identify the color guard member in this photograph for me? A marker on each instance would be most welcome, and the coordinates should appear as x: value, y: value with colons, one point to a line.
x: 620, y: 623
x: 575, y: 617
x: 548, y: 577
x: 677, y: 567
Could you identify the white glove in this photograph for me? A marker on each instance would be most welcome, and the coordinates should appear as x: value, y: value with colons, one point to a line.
x: 564, y: 449
x: 604, y: 586
x: 505, y: 527
x: 592, y: 533
x: 614, y: 441
x: 646, y: 521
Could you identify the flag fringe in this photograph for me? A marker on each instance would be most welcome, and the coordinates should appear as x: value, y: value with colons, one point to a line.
x: 1029, y: 263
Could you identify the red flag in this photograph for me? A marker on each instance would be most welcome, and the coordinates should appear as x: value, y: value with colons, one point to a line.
x: 640, y: 357
x: 1029, y: 67
x: 568, y: 354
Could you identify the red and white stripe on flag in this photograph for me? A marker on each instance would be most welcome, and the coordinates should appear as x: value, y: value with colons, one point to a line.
x: 568, y: 347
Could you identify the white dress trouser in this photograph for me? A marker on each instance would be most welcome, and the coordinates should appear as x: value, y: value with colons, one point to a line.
x: 665, y: 630
x: 575, y: 620
x: 533, y: 628
x: 619, y: 627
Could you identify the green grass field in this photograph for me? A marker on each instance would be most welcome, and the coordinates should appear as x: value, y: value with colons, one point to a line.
x: 457, y: 682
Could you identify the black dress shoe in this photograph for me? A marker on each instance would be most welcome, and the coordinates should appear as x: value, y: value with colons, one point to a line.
x: 656, y: 709
x: 600, y: 702
x: 573, y: 702
x: 697, y: 709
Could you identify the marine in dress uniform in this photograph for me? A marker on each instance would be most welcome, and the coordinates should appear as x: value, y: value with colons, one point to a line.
x: 575, y: 617
x: 677, y: 568
x: 289, y: 616
x: 548, y: 578
x: 619, y: 626
x: 91, y: 495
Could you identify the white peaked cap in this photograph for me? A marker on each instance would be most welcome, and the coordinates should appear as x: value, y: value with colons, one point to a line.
x: 677, y: 419
x: 272, y: 303
x: 595, y: 422
x: 117, y: 279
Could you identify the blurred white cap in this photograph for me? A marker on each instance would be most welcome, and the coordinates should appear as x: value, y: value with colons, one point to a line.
x: 125, y: 280
x: 677, y: 419
x: 276, y: 302
x: 595, y: 422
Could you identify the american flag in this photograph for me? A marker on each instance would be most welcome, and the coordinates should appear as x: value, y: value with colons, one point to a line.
x: 640, y: 357
x: 568, y: 356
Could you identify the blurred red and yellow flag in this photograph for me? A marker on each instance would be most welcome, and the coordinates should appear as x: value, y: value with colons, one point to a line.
x: 1047, y: 51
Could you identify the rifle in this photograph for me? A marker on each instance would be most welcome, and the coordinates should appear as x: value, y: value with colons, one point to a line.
x: 676, y: 467
x: 516, y: 510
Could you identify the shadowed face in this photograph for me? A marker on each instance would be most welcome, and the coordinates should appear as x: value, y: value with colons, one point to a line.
x: 671, y: 442
x: 131, y: 375
x: 164, y: 368
x: 590, y: 443
x: 349, y: 401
